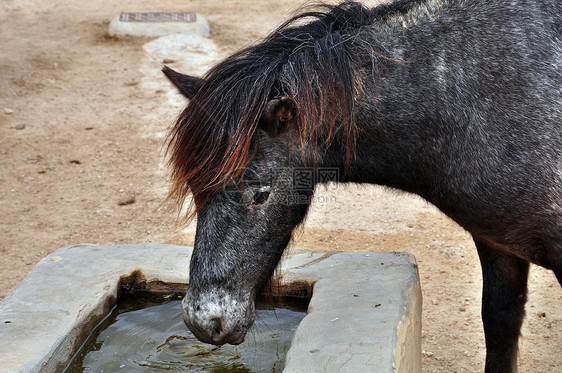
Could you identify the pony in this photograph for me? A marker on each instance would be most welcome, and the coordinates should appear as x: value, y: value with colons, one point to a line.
x: 457, y: 101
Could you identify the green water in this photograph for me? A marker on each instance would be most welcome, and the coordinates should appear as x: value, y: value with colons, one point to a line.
x: 144, y: 336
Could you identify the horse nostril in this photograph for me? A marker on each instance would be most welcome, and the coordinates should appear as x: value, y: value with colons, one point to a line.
x: 216, y: 329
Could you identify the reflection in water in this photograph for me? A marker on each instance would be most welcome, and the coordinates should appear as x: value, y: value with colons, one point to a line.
x: 154, y: 338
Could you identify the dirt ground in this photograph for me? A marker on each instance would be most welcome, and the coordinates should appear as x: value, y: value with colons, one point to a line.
x: 81, y: 161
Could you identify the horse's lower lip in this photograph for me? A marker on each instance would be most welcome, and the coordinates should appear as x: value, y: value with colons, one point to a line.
x: 238, y: 341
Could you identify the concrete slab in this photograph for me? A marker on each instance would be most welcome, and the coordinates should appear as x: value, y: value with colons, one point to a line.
x: 364, y: 315
x: 186, y: 53
x: 194, y: 52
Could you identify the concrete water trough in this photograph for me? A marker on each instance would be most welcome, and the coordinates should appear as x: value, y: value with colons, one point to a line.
x: 364, y: 313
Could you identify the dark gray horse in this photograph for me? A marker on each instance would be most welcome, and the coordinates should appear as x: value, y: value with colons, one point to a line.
x: 458, y: 101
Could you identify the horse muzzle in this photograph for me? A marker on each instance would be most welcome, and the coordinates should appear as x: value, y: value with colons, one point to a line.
x: 218, y: 318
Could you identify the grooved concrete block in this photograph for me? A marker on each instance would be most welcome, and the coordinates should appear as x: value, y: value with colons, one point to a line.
x: 200, y: 27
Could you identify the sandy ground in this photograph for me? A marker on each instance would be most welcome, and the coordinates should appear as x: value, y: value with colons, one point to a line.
x: 81, y: 162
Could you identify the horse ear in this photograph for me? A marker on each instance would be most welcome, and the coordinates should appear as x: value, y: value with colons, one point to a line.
x: 188, y: 85
x: 278, y: 115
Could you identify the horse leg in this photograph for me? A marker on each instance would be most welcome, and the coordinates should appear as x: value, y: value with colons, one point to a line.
x: 556, y: 261
x: 503, y: 306
x: 558, y: 273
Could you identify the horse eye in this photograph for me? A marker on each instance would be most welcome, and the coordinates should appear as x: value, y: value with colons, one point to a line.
x: 259, y: 198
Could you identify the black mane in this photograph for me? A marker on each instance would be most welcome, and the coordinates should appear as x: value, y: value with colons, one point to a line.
x: 308, y: 62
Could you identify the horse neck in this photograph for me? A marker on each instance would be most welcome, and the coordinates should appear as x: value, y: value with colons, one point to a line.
x: 404, y: 121
x: 431, y: 115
